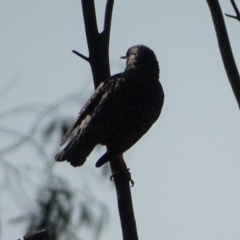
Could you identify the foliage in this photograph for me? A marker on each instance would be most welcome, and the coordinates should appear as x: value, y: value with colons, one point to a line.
x: 57, y: 207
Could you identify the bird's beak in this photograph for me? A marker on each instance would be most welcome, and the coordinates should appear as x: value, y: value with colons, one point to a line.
x: 123, y: 57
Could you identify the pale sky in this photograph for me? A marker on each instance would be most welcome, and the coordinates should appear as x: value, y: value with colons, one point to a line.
x: 186, y: 168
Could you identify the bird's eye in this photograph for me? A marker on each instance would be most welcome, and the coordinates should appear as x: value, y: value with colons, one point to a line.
x: 132, y: 56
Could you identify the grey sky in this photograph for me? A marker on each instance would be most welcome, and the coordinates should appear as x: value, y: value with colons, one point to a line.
x: 186, y: 169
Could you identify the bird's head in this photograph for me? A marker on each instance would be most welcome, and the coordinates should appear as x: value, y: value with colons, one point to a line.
x: 140, y: 57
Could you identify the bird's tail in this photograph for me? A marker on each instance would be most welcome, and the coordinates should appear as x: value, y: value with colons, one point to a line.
x: 104, y: 159
x: 76, y: 152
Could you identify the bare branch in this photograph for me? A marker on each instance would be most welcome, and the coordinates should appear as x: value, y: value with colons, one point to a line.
x: 37, y: 235
x: 81, y: 55
x: 90, y: 21
x: 125, y: 206
x: 105, y: 35
x: 236, y: 11
x: 108, y: 20
x: 98, y: 45
x: 225, y: 48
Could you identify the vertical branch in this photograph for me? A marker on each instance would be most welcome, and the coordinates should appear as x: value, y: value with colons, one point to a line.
x: 105, y: 35
x: 225, y: 48
x: 98, y: 49
x: 90, y: 21
x: 108, y: 20
x: 98, y: 45
x: 125, y: 206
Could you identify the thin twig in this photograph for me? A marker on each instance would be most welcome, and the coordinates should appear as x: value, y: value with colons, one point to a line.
x: 225, y: 48
x: 236, y: 11
x: 81, y: 55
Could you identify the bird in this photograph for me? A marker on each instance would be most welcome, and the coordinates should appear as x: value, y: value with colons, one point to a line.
x: 120, y: 111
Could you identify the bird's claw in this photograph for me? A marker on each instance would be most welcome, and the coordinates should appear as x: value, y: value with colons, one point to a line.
x: 132, y: 182
x: 126, y: 172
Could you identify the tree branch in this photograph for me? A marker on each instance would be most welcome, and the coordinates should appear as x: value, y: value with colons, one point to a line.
x: 125, y: 206
x: 225, y: 48
x: 108, y: 15
x: 90, y: 22
x: 98, y: 45
x: 236, y: 11
x: 37, y: 235
x: 81, y: 55
x: 98, y: 51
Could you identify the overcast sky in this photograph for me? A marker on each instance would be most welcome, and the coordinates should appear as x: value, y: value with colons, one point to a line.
x: 187, y: 167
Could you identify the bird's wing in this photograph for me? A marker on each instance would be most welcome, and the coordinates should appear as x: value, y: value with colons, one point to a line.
x: 132, y: 121
x: 89, y: 106
x: 139, y: 112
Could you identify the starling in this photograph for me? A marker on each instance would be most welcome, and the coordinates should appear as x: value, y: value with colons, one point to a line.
x: 120, y: 112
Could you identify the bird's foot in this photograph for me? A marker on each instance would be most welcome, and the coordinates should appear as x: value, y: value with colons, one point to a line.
x: 126, y: 172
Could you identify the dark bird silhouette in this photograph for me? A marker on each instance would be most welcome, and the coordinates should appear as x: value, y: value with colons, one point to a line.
x: 120, y: 112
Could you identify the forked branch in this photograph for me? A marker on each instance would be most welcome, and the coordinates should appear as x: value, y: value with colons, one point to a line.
x: 98, y: 46
x: 225, y: 48
x: 236, y: 11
